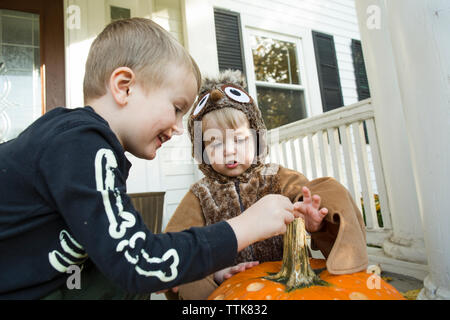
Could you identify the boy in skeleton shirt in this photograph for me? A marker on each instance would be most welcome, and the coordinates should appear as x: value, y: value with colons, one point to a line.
x: 227, y: 133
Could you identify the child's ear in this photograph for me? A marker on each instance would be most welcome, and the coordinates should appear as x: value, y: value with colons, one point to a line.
x: 120, y: 83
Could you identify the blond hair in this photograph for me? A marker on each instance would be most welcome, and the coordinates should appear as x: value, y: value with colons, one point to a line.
x: 139, y: 44
x: 227, y: 118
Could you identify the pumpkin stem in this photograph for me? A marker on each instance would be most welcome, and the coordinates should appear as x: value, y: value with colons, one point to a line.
x: 296, y: 272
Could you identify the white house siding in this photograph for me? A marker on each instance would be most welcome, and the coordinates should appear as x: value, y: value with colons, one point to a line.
x: 168, y: 14
x: 177, y: 172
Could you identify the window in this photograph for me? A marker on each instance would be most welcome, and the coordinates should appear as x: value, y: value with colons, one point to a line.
x: 277, y: 65
x: 121, y: 9
x: 20, y: 76
x: 118, y: 13
x: 278, y: 79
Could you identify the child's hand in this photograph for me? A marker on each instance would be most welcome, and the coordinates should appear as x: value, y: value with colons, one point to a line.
x: 224, y: 274
x: 309, y: 210
x: 266, y: 218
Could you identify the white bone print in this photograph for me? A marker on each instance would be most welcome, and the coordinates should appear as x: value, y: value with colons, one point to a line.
x: 55, y: 257
x: 105, y: 184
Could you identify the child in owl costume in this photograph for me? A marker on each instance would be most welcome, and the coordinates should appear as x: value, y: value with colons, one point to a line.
x: 222, y: 194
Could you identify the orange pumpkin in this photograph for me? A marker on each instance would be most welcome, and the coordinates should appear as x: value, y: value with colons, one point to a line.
x: 295, y: 278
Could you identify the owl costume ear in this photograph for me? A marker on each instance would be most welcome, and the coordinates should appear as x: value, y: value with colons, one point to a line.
x: 227, y: 90
x: 228, y: 76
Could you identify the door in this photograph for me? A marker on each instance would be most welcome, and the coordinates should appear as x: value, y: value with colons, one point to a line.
x: 32, y: 79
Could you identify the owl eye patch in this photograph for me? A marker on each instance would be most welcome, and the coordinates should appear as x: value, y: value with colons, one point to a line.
x: 201, y: 104
x: 236, y: 94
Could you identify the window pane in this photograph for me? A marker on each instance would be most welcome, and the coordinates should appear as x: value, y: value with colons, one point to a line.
x: 17, y: 30
x: 20, y: 79
x: 280, y: 106
x: 36, y: 35
x: 118, y: 13
x: 275, y: 61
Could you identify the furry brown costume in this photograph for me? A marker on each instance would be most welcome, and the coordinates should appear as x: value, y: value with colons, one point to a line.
x: 217, y: 197
x: 222, y: 201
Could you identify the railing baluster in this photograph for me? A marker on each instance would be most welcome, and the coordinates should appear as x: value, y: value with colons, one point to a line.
x: 350, y: 166
x: 364, y: 173
x: 324, y: 153
x: 303, y: 157
x: 279, y: 152
x: 312, y: 155
x: 284, y: 153
x: 273, y: 153
x: 335, y: 147
x: 299, y: 151
x: 379, y: 174
x: 273, y: 140
x: 294, y: 155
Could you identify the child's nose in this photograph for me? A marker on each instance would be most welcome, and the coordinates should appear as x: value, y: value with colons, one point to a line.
x: 178, y: 130
x: 178, y: 127
x: 230, y: 148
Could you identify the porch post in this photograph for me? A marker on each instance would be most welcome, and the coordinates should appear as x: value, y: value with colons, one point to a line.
x: 419, y: 31
x: 200, y: 35
x: 406, y: 242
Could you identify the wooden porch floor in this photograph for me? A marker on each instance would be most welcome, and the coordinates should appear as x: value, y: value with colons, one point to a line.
x: 408, y: 286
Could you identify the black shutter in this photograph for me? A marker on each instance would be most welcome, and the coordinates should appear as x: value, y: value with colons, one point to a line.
x: 362, y: 84
x: 328, y: 70
x: 229, y: 40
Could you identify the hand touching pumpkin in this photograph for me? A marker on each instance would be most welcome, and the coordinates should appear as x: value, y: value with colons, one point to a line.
x: 310, y: 212
x: 222, y: 275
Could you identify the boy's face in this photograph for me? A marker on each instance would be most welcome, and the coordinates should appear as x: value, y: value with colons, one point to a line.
x: 153, y: 117
x: 230, y: 151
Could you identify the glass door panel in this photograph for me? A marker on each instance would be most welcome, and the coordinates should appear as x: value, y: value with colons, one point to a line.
x: 20, y: 75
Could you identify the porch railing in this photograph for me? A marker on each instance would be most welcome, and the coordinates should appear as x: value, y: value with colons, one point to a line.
x: 342, y: 144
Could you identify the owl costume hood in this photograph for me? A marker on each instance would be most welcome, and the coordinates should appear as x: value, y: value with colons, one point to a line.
x: 214, y: 198
x: 226, y: 91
